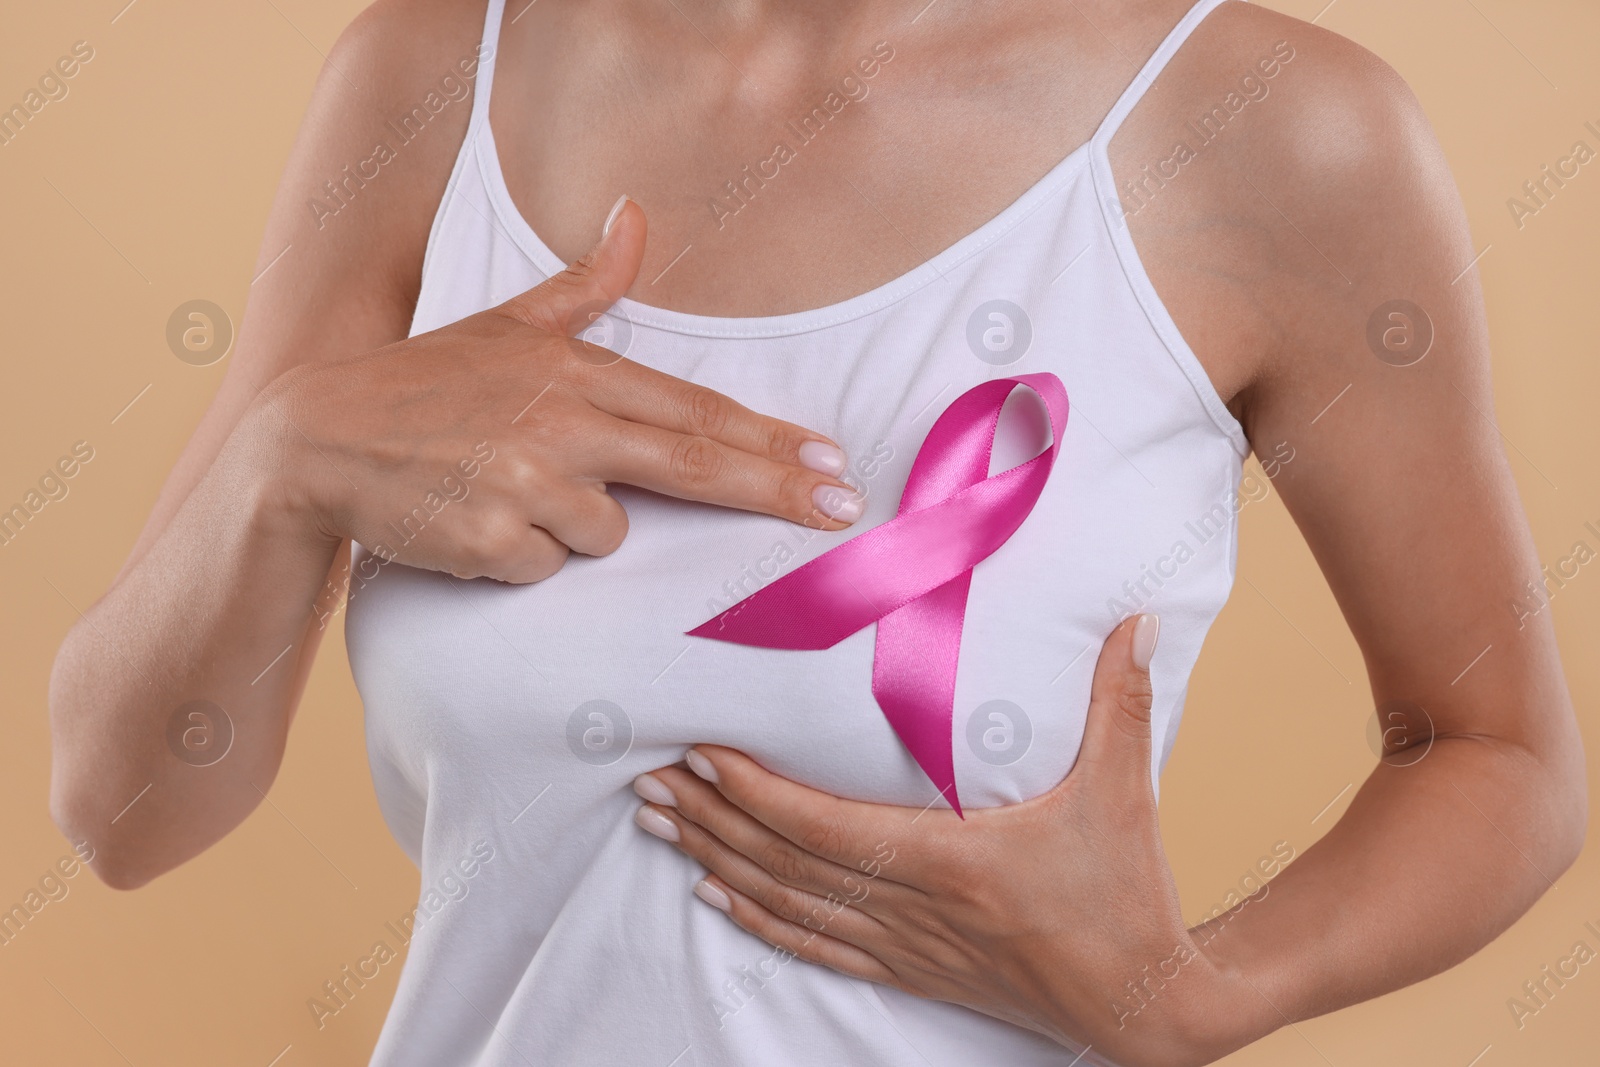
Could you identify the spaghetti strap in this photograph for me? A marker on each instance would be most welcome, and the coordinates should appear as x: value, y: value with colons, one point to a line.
x: 1152, y: 67
x: 488, y: 49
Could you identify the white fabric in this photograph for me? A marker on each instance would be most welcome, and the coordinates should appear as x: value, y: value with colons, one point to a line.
x: 578, y: 941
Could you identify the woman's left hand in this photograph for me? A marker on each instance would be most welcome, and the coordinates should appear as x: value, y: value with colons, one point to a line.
x: 1058, y: 914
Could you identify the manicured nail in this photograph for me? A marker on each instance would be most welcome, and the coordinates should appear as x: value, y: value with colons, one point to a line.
x: 712, y: 895
x: 841, y: 505
x: 822, y: 458
x: 1145, y: 632
x: 701, y: 766
x: 652, y: 821
x: 654, y: 790
x: 616, y: 209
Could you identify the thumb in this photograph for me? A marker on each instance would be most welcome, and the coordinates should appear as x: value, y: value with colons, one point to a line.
x: 569, y: 302
x: 1116, y: 737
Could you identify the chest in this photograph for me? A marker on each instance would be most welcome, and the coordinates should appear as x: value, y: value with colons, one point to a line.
x: 587, y: 678
x: 782, y: 170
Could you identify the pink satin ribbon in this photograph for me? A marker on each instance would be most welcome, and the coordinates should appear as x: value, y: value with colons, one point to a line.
x: 911, y: 574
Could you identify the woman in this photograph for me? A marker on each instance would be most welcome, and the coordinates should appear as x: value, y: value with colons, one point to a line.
x: 1218, y: 227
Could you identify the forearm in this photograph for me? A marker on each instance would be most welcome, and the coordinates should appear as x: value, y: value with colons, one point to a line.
x: 219, y: 610
x: 1430, y: 862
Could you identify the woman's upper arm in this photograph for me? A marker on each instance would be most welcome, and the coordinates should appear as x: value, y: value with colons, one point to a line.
x: 342, y: 278
x: 1317, y: 260
x: 1378, y: 377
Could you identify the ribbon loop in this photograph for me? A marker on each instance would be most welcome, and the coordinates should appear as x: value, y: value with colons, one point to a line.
x: 911, y: 575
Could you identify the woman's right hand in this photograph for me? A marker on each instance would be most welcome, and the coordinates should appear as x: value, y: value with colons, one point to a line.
x: 485, y: 447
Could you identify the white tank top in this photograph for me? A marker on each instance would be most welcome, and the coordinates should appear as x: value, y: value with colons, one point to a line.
x: 505, y: 723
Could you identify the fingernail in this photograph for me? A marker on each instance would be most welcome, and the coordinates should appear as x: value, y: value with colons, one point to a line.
x: 654, y: 790
x: 1145, y: 632
x: 616, y: 209
x: 822, y: 458
x: 652, y: 821
x: 701, y: 766
x: 712, y: 895
x: 841, y: 505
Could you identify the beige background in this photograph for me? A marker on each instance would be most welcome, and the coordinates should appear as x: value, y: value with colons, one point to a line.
x: 148, y: 186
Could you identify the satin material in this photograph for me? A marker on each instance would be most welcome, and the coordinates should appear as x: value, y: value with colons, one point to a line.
x: 911, y: 574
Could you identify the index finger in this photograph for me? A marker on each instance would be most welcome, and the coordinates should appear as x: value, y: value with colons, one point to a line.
x: 645, y: 395
x: 866, y: 837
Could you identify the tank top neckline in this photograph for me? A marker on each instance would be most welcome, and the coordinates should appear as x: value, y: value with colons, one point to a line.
x: 1092, y: 153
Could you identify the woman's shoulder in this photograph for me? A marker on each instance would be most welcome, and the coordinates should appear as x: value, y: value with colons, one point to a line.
x: 394, y: 40
x: 1338, y: 105
x: 1296, y: 162
x: 385, y: 122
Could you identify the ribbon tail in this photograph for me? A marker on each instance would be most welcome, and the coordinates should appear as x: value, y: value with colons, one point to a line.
x: 914, y: 678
